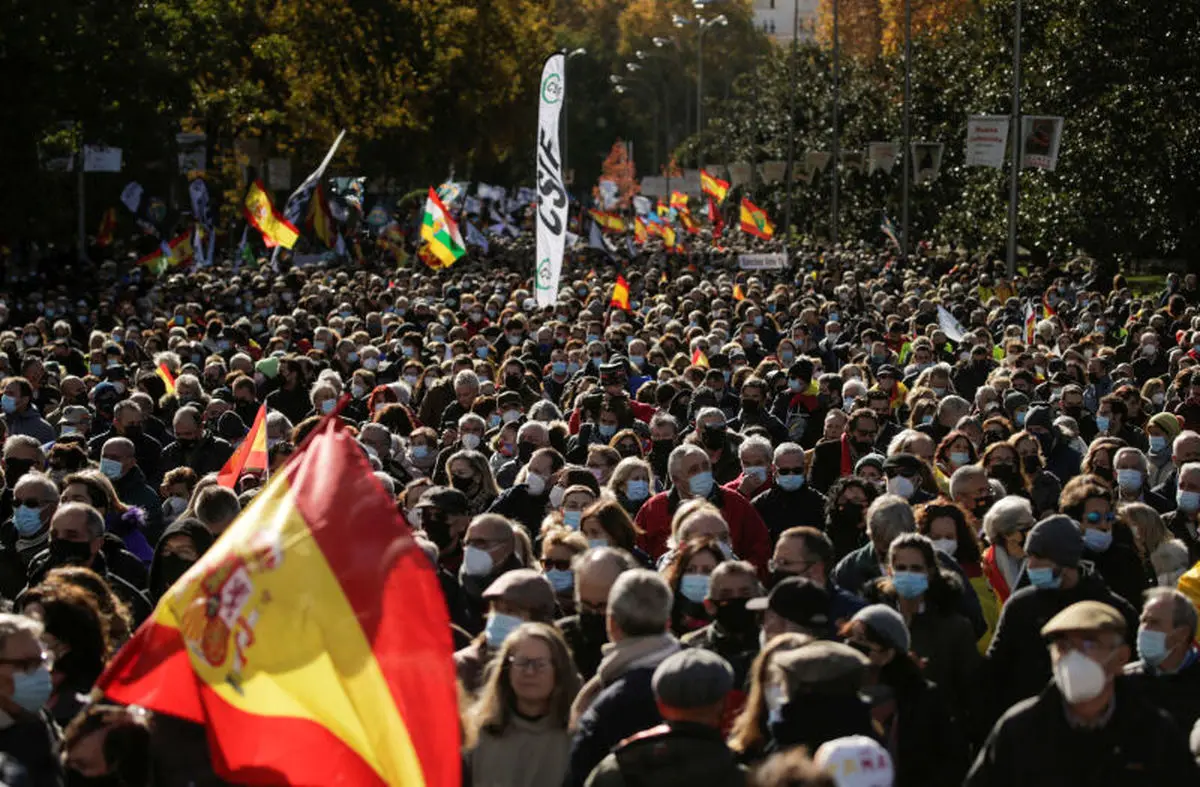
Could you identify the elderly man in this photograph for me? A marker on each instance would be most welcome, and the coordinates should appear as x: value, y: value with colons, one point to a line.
x: 595, y: 572
x: 28, y: 533
x: 887, y: 518
x: 733, y: 634
x: 20, y: 415
x: 619, y: 700
x: 119, y: 464
x: 1184, y: 448
x: 489, y: 550
x: 712, y: 434
x: 833, y: 459
x: 129, y: 422
x: 1017, y: 664
x: 77, y: 539
x: 466, y: 391
x: 755, y: 412
x: 808, y: 553
x: 531, y: 436
x: 791, y: 501
x: 950, y: 410
x: 217, y: 507
x: 1184, y: 522
x: 756, y: 477
x: 1090, y: 725
x: 471, y: 429
x: 29, y: 736
x: 1006, y: 525
x: 690, y: 471
x: 970, y: 489
x: 193, y: 447
x: 514, y: 598
x: 1168, y: 672
x: 1131, y: 471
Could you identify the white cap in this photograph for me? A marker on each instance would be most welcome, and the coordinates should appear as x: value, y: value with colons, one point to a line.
x: 856, y: 761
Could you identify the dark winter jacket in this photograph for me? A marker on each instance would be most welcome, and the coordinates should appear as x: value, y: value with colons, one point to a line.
x: 33, y: 740
x: 676, y: 754
x: 624, y: 708
x: 162, y: 574
x: 1178, y: 693
x: 208, y: 456
x: 781, y: 510
x: 519, y: 505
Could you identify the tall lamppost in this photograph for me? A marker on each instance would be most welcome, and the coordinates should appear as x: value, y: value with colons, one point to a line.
x: 702, y: 26
x: 623, y: 85
x: 568, y: 57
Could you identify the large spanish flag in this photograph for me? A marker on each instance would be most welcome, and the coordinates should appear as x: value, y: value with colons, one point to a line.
x: 250, y: 455
x: 311, y: 640
x: 260, y: 211
x: 755, y: 221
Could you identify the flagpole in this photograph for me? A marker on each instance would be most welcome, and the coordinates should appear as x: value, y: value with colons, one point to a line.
x: 80, y: 230
x: 1014, y: 193
x: 837, y: 156
x: 791, y: 152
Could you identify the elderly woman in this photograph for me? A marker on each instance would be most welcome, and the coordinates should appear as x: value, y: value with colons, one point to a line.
x: 1131, y: 470
x: 1005, y: 524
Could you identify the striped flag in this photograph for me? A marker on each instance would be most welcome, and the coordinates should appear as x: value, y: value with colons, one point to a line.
x: 319, y: 217
x: 713, y: 186
x: 755, y: 222
x: 640, y: 232
x: 1030, y: 324
x: 699, y: 358
x: 620, y: 294
x: 260, y: 211
x: 679, y: 201
x: 177, y: 251
x: 440, y: 232
x: 168, y: 379
x: 311, y: 641
x: 108, y: 225
x: 250, y: 456
x: 610, y: 222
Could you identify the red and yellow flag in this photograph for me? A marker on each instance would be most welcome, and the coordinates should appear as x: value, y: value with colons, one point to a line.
x: 251, y: 455
x: 738, y: 293
x: 168, y: 379
x: 679, y: 201
x: 689, y: 223
x: 170, y: 254
x: 714, y: 216
x: 610, y: 222
x: 713, y: 186
x: 640, y: 233
x: 319, y: 217
x: 699, y: 358
x: 620, y: 294
x: 260, y: 211
x: 108, y: 225
x: 755, y: 222
x: 670, y: 241
x: 311, y: 641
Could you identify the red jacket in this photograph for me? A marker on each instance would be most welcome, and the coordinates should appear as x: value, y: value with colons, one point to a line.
x: 735, y: 485
x: 641, y: 411
x: 747, y: 531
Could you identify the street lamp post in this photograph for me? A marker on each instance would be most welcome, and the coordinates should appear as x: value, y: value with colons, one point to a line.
x: 791, y: 150
x: 837, y: 155
x: 702, y: 26
x: 566, y: 118
x: 1014, y: 134
x: 623, y: 85
x: 907, y: 152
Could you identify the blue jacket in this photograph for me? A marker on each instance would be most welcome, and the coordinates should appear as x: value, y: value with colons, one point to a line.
x: 625, y: 708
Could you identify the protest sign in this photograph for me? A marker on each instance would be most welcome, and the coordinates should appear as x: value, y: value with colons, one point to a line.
x: 552, y: 194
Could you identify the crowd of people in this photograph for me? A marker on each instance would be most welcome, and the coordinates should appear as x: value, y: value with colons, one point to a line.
x: 858, y: 521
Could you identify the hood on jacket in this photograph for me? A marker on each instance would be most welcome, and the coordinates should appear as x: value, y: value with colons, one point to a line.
x: 194, y: 529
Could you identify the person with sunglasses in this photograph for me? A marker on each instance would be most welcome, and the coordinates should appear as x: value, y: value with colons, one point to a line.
x: 1107, y: 542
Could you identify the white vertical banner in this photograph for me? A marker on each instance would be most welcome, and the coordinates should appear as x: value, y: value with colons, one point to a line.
x: 1040, y: 137
x: 551, y: 193
x: 987, y: 140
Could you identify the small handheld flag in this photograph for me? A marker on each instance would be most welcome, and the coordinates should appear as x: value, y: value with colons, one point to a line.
x: 713, y: 186
x: 699, y: 358
x: 260, y: 211
x: 440, y: 233
x: 620, y: 295
x: 168, y: 379
x: 108, y: 225
x: 755, y: 222
x: 250, y: 455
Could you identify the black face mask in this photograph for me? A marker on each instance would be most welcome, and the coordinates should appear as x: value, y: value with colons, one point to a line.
x: 14, y: 469
x: 862, y: 446
x: 750, y: 406
x: 77, y: 553
x: 172, y: 568
x: 1007, y: 475
x: 525, y: 452
x: 661, y: 448
x: 734, y: 617
x: 1031, y: 463
x: 513, y: 381
x: 981, y: 507
x: 714, y: 438
x: 592, y: 627
x: 849, y: 514
x: 186, y: 445
x: 133, y: 431
x: 463, y: 483
x: 1074, y: 411
x: 438, y: 530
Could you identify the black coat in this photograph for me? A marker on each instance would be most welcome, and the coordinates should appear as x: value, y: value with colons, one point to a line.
x: 146, y: 449
x: 931, y: 748
x: 677, y: 754
x: 1018, y: 662
x: 585, y: 642
x: 33, y: 740
x: 781, y: 510
x: 812, y: 719
x: 1178, y: 694
x: 1033, y: 745
x: 519, y: 505
x: 1121, y: 569
x: 624, y: 708
x: 208, y: 456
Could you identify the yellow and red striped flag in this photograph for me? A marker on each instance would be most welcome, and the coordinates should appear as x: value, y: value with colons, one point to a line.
x: 311, y: 641
x: 755, y: 222
x: 713, y: 186
x: 108, y: 225
x: 260, y: 211
x: 176, y: 252
x: 738, y: 293
x: 699, y: 358
x: 620, y: 294
x: 319, y: 217
x: 689, y: 223
x: 640, y: 232
x: 250, y: 455
x: 607, y: 221
x: 679, y: 201
x: 168, y: 379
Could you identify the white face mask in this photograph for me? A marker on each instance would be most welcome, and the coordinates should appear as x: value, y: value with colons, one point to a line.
x: 947, y: 546
x: 536, y: 483
x: 470, y: 441
x: 556, y: 496
x: 477, y: 562
x: 1079, y: 678
x: 899, y: 485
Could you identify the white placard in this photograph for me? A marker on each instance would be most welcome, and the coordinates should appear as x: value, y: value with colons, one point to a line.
x: 987, y: 140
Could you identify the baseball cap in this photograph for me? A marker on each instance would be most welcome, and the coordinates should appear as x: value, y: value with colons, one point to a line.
x: 446, y: 498
x: 798, y: 600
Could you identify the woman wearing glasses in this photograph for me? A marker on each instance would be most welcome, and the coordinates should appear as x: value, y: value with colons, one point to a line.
x: 519, y: 723
x: 1107, y: 542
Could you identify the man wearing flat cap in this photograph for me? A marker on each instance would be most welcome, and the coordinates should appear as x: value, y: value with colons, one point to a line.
x: 687, y: 749
x: 515, y: 597
x: 1090, y: 725
x: 1054, y: 578
x: 812, y: 695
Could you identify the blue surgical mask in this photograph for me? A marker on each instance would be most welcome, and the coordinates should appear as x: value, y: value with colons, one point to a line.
x: 694, y: 587
x: 1152, y: 646
x: 607, y: 430
x: 1187, y: 501
x: 31, y: 690
x: 910, y: 584
x: 637, y: 360
x: 420, y: 451
x: 701, y: 484
x: 111, y: 468
x: 1103, y: 422
x: 596, y: 543
x: 636, y: 490
x: 8, y: 404
x: 561, y: 580
x: 1043, y: 578
x: 959, y: 458
x: 1097, y: 540
x: 1130, y: 479
x: 1158, y: 444
x: 786, y: 357
x: 327, y: 406
x: 789, y: 483
x: 559, y: 367
x: 498, y: 627
x: 759, y: 474
x: 1021, y: 419
x: 482, y: 351
x: 794, y: 386
x: 26, y: 520
x: 571, y: 519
